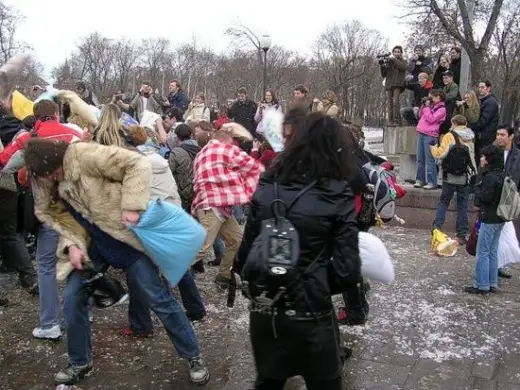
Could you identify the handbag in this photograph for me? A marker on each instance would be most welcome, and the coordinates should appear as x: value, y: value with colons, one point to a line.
x: 471, y: 245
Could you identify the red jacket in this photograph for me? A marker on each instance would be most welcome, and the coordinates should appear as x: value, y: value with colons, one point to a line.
x: 223, y: 119
x: 49, y: 129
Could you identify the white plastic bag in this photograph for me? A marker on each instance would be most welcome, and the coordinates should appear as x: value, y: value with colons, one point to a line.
x: 508, y: 249
x: 375, y: 260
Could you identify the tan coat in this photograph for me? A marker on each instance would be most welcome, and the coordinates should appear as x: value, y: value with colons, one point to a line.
x: 100, y: 182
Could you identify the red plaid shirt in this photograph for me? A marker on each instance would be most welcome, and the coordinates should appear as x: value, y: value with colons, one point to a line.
x: 224, y: 176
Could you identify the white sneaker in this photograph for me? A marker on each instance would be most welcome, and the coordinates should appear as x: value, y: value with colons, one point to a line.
x: 418, y: 184
x: 53, y: 333
x: 199, y: 373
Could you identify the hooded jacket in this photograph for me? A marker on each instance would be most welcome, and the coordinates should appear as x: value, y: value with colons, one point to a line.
x: 488, y: 192
x: 466, y: 137
x: 486, y: 127
x: 99, y: 182
x: 163, y: 185
x: 9, y: 126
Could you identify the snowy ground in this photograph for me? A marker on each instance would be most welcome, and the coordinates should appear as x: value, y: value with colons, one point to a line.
x: 424, y: 332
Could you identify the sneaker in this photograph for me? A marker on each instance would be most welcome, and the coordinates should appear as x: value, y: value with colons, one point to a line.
x: 222, y: 282
x: 196, y: 317
x: 129, y: 332
x: 504, y: 274
x: 429, y: 187
x: 53, y: 334
x: 199, y: 373
x: 474, y: 290
x: 418, y: 184
x: 72, y: 374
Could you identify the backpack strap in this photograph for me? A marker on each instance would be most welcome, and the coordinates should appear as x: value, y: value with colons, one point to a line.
x: 277, y: 199
x: 456, y: 137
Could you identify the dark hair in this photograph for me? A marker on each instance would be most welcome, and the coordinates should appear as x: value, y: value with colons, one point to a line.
x: 320, y: 148
x: 494, y: 156
x: 459, y: 120
x: 510, y: 129
x: 204, y: 125
x: 146, y: 82
x: 397, y: 47
x: 45, y: 109
x: 177, y: 83
x: 301, y: 88
x: 438, y: 93
x: 275, y: 100
x: 29, y: 121
x: 242, y: 91
x: 487, y: 83
x: 44, y: 156
x: 457, y: 49
x: 176, y: 113
x: 183, y: 132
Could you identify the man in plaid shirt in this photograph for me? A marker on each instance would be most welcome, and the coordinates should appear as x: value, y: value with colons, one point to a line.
x: 225, y: 176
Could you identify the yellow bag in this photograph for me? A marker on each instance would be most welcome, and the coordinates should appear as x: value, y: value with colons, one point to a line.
x: 442, y: 245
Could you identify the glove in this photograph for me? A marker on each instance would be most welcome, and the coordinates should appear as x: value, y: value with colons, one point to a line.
x: 433, y: 142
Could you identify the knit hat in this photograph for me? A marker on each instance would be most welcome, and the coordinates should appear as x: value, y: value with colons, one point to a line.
x: 44, y: 156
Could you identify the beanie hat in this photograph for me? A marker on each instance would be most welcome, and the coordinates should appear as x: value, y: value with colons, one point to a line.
x: 44, y: 156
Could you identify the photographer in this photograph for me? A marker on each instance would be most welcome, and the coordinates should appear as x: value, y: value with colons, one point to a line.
x: 119, y: 95
x: 393, y: 68
x: 421, y: 90
x: 419, y: 64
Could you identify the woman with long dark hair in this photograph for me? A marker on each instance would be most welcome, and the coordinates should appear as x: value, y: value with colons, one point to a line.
x: 270, y: 102
x: 299, y: 336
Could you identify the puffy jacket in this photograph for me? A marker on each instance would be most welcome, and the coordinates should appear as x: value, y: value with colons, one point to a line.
x: 197, y: 112
x: 430, y: 119
x: 471, y: 114
x: 50, y: 129
x: 486, y: 127
x: 325, y: 219
x: 487, y: 194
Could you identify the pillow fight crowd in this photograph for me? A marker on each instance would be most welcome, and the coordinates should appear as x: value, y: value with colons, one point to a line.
x: 88, y: 172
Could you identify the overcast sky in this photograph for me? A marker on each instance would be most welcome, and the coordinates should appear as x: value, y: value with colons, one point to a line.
x: 52, y: 27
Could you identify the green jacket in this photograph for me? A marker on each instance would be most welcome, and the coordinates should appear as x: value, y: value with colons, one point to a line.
x: 472, y: 114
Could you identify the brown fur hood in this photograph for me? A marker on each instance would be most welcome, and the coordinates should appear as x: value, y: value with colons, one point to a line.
x: 100, y: 182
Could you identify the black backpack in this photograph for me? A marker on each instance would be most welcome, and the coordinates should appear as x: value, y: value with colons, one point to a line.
x: 458, y: 160
x: 271, y: 268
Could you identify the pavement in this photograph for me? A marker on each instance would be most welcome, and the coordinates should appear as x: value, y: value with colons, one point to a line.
x: 424, y: 332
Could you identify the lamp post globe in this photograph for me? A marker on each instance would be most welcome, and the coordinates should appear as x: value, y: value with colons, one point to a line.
x: 265, y: 45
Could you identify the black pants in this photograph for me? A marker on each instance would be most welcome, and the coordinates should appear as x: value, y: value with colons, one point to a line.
x: 275, y: 384
x: 14, y: 251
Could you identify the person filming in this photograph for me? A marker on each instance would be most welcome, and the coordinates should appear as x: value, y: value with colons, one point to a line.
x: 393, y: 69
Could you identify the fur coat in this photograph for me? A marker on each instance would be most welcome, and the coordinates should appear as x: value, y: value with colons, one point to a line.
x: 99, y: 182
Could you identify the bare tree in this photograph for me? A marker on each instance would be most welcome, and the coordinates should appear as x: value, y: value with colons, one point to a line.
x: 9, y: 20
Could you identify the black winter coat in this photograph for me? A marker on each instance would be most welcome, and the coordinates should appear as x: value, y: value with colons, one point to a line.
x: 487, y: 195
x: 284, y: 346
x: 244, y: 114
x: 512, y: 165
x: 486, y: 127
x: 9, y: 126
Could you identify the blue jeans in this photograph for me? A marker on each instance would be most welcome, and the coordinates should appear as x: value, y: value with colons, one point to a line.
x: 219, y: 247
x: 426, y: 166
x: 142, y: 276
x: 448, y: 190
x: 486, y: 273
x: 46, y: 259
x: 139, y: 309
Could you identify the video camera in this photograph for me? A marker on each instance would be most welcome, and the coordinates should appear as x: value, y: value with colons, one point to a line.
x: 383, y: 59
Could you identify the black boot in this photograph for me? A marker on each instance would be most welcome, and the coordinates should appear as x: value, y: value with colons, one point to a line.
x: 198, y: 267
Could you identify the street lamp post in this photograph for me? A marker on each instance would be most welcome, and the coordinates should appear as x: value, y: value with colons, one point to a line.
x: 265, y: 45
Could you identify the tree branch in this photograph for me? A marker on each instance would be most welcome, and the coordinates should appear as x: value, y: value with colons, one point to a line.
x: 486, y: 38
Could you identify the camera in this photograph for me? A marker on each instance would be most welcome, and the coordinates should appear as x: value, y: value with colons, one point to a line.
x: 119, y: 97
x: 383, y: 59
